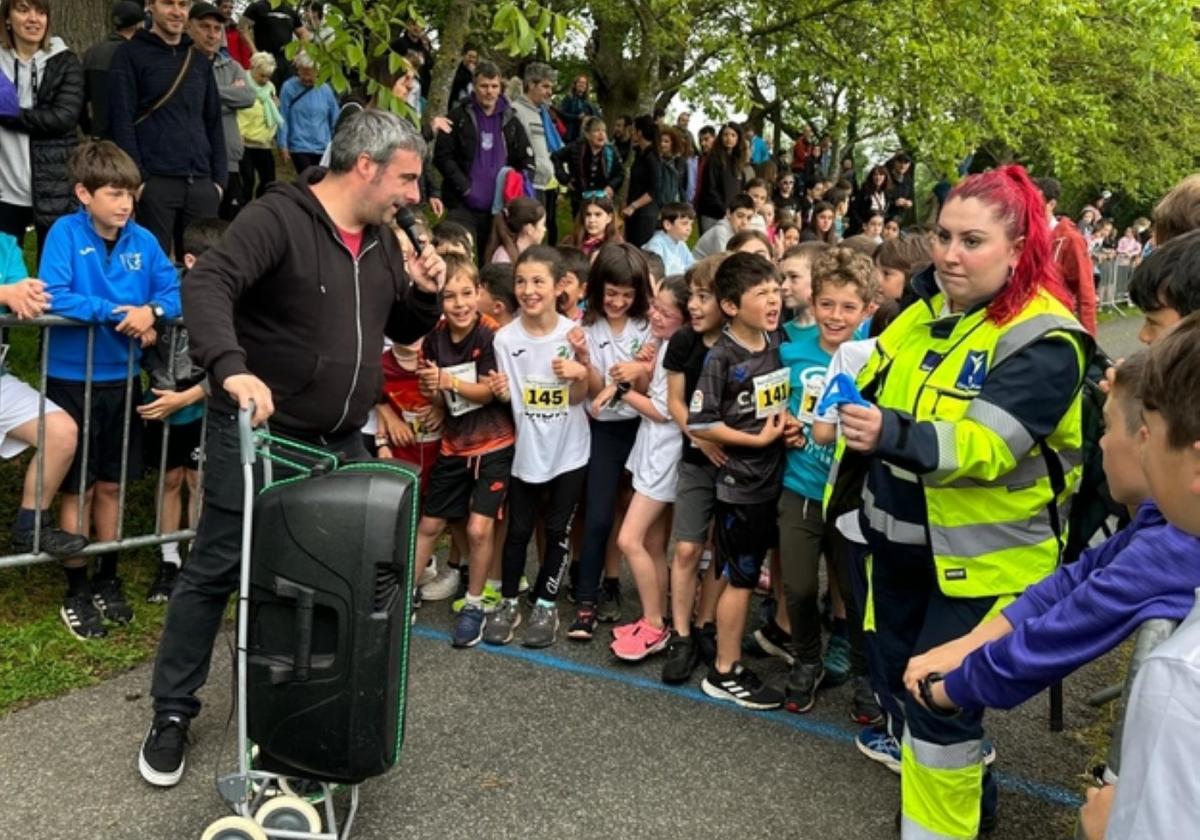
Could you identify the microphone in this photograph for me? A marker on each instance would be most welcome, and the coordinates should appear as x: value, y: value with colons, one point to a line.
x: 408, y: 223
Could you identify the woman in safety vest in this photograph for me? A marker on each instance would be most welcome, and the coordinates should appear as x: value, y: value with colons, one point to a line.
x: 971, y: 450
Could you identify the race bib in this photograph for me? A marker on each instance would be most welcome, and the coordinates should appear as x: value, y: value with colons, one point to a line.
x: 547, y: 395
x: 457, y: 404
x: 814, y: 387
x: 420, y: 430
x: 771, y: 392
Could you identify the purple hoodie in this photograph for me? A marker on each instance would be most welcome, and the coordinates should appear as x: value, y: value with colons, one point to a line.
x: 490, y: 155
x: 1149, y: 569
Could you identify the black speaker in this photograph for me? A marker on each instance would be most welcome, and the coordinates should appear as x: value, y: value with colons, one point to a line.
x: 330, y: 611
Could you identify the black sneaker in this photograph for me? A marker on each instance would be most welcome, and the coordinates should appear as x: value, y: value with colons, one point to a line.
x: 863, y: 707
x: 55, y: 541
x: 609, y: 608
x: 800, y: 691
x: 109, y: 597
x: 682, y: 659
x: 583, y: 628
x: 706, y: 643
x: 164, y: 584
x: 770, y: 640
x: 81, y: 617
x: 742, y: 686
x: 161, y: 759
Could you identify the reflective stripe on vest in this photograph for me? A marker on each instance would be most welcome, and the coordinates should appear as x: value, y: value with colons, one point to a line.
x: 895, y: 530
x: 940, y: 789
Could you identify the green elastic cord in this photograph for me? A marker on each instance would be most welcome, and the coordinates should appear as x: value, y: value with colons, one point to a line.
x: 412, y: 550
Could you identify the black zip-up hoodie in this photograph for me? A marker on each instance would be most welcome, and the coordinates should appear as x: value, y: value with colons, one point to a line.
x: 185, y: 136
x: 281, y: 297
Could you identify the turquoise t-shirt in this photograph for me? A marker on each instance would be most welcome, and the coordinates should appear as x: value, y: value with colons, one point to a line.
x: 807, y: 468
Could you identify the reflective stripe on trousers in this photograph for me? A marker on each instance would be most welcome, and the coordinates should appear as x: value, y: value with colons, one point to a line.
x: 940, y: 786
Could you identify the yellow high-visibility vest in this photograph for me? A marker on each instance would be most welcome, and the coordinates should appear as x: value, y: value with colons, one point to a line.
x: 990, y: 502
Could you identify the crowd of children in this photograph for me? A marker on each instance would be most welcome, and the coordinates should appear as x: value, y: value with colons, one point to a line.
x: 607, y: 403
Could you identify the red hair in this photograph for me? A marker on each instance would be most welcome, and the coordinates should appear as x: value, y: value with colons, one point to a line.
x: 1019, y: 206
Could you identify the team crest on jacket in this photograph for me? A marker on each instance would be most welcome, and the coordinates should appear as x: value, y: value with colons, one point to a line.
x: 973, y: 372
x: 132, y: 261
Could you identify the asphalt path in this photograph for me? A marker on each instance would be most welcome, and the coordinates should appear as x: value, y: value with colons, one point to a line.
x: 562, y: 743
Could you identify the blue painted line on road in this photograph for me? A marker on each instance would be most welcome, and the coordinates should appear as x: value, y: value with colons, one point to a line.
x: 1039, y: 790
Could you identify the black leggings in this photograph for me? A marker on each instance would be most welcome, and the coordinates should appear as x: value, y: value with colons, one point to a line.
x: 14, y: 219
x: 257, y: 164
x: 561, y: 495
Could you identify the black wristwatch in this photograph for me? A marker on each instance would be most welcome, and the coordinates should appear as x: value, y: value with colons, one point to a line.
x: 622, y: 388
x: 157, y: 309
x: 926, y: 688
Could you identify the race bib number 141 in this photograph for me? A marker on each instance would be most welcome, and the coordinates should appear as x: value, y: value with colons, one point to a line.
x: 771, y: 392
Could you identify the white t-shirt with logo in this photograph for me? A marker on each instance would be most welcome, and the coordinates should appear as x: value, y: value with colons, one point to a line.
x: 654, y: 459
x: 552, y: 435
x: 607, y: 350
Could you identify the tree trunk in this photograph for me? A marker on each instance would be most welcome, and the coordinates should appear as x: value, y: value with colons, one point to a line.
x: 81, y: 23
x: 452, y: 39
x: 624, y: 86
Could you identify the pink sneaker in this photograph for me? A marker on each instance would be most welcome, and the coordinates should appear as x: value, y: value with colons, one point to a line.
x: 644, y: 640
x: 620, y: 631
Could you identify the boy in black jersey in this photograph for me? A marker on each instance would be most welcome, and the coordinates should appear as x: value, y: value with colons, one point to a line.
x: 740, y: 402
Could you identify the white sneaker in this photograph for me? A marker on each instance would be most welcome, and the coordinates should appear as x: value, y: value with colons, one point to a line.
x: 430, y: 574
x: 445, y: 585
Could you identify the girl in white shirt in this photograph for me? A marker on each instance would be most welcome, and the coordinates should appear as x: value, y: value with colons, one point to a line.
x: 546, y: 385
x: 653, y: 463
x: 616, y: 333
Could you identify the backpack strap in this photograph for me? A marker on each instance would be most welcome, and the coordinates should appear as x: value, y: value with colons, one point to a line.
x: 171, y: 91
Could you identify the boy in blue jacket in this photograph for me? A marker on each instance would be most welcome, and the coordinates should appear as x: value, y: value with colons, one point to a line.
x: 102, y: 269
x: 1148, y: 570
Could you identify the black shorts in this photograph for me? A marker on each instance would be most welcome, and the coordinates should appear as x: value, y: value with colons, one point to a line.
x: 183, y: 444
x: 459, y: 486
x: 744, y: 534
x: 111, y: 416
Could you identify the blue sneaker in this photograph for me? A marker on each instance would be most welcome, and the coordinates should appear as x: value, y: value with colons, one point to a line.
x: 837, y: 661
x: 878, y: 745
x: 468, y: 627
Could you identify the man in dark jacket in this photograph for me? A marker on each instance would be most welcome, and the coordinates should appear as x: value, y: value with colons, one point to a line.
x: 127, y: 18
x: 290, y: 311
x: 165, y: 112
x: 487, y: 136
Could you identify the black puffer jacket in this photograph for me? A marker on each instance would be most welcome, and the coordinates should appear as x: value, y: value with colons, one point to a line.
x: 454, y: 153
x: 52, y: 125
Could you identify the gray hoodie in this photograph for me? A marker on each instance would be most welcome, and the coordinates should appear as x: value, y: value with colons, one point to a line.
x: 531, y: 117
x: 234, y: 97
x: 16, y: 174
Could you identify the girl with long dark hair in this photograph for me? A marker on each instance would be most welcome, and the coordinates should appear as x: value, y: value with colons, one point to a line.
x: 720, y: 176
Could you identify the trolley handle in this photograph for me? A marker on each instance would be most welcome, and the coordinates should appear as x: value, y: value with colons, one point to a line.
x: 302, y: 629
x: 246, y: 434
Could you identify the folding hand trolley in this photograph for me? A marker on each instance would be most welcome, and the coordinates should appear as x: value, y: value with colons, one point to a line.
x: 322, y: 637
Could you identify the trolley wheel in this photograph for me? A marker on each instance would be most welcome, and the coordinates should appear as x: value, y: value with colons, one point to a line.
x: 309, y: 790
x: 290, y: 813
x: 234, y: 828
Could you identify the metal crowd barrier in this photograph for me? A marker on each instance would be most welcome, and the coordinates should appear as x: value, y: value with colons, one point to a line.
x: 1149, y: 636
x: 133, y: 396
x: 1112, y: 289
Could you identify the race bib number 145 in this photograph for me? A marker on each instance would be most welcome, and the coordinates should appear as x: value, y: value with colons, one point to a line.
x: 545, y: 395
